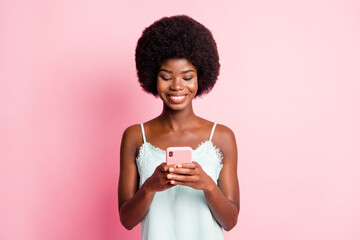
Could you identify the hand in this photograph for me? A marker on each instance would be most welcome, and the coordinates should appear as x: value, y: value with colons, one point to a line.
x: 191, y: 175
x: 158, y: 181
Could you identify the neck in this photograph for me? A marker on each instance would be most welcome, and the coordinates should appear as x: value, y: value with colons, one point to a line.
x: 177, y: 119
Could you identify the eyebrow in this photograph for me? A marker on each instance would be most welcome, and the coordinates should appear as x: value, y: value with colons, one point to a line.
x: 168, y: 71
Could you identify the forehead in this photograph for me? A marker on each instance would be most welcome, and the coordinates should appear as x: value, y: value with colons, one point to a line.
x: 177, y: 64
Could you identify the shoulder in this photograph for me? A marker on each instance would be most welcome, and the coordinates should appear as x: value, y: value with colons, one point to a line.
x: 132, y: 137
x: 132, y: 132
x: 224, y: 138
x: 223, y: 133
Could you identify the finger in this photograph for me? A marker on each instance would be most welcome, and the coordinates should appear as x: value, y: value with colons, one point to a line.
x: 173, y: 167
x: 164, y: 177
x: 173, y: 182
x: 166, y: 182
x: 196, y: 163
x: 164, y: 168
x: 184, y: 171
x: 183, y: 178
x: 188, y: 165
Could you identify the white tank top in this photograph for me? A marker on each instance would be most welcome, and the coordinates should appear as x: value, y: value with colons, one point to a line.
x: 180, y: 213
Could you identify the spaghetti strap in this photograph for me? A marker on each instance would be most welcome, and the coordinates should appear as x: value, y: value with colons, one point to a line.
x: 212, y: 131
x: 143, y: 132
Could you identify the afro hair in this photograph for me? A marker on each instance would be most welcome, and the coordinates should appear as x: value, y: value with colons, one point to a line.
x: 177, y: 37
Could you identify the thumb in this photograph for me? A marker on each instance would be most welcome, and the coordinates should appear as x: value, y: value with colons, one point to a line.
x: 163, y: 167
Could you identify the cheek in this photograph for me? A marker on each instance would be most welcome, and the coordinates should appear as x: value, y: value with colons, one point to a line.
x: 159, y: 86
x: 193, y: 85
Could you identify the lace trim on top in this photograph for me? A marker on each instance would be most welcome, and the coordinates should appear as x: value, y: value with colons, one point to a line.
x: 218, y: 151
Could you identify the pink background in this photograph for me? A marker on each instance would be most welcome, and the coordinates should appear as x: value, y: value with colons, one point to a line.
x: 289, y: 88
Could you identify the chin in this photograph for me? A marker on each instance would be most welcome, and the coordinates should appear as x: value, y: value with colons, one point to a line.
x: 175, y: 107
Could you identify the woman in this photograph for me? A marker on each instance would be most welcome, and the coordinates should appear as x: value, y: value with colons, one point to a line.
x: 177, y: 61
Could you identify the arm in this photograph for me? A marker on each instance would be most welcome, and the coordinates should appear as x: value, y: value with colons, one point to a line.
x: 223, y: 199
x: 134, y: 202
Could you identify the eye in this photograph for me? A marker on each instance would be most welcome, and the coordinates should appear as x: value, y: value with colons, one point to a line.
x: 165, y: 78
x: 188, y: 78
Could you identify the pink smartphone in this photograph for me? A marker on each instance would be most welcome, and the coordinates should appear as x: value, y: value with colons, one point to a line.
x: 178, y: 155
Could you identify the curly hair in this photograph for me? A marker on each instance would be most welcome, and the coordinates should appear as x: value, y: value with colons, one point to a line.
x: 177, y: 37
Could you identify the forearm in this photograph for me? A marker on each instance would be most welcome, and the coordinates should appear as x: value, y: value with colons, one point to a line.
x: 134, y: 210
x: 225, y: 211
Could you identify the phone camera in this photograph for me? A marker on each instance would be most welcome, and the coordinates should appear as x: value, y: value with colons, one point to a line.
x: 170, y: 154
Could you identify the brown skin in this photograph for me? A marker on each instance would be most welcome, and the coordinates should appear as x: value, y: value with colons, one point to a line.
x: 178, y: 126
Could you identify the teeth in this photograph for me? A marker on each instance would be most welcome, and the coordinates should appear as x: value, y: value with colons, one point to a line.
x: 177, y: 97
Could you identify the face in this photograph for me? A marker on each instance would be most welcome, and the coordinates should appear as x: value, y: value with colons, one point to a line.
x: 177, y: 83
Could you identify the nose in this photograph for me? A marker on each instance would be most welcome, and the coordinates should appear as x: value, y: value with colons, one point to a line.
x: 177, y: 84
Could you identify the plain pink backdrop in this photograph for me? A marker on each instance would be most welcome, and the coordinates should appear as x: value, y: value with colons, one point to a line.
x: 289, y: 88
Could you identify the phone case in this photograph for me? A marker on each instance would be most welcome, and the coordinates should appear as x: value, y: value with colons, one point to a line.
x: 178, y: 155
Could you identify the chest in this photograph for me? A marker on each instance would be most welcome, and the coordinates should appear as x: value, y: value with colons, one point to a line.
x: 206, y: 154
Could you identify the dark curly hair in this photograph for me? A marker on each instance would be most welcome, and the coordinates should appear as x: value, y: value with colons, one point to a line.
x: 177, y: 37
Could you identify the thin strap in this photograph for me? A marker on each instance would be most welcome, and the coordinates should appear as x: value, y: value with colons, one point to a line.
x: 212, y: 131
x: 143, y: 132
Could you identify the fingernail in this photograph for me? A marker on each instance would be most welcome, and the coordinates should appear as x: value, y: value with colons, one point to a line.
x: 172, y: 182
x: 169, y: 176
x: 171, y: 169
x: 179, y: 166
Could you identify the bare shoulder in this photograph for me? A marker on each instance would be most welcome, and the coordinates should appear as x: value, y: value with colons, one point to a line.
x: 133, y: 129
x: 224, y: 138
x: 132, y: 138
x: 224, y: 134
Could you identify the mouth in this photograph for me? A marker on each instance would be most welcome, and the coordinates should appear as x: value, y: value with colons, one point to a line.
x: 177, y: 98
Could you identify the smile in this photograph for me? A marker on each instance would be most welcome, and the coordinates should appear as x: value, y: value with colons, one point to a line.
x: 177, y: 99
